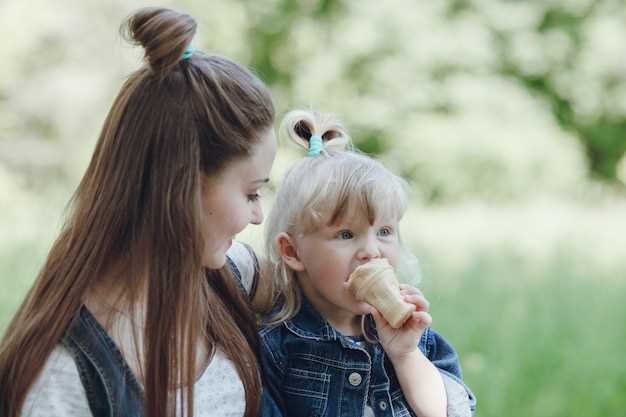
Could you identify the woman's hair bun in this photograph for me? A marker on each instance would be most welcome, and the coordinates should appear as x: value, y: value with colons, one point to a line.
x: 299, y: 125
x: 163, y: 33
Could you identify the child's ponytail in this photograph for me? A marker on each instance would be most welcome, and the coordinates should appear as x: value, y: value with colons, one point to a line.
x: 299, y: 125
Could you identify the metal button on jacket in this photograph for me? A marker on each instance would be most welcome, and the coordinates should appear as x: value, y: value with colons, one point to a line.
x: 355, y: 378
x: 382, y: 405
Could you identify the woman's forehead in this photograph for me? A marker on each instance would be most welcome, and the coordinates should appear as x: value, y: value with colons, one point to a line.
x: 255, y: 167
x: 260, y: 161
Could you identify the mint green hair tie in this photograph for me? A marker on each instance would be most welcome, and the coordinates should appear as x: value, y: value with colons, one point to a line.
x: 316, y: 144
x: 188, y: 52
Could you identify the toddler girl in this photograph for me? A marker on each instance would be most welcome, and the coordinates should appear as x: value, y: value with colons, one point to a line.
x: 338, y: 209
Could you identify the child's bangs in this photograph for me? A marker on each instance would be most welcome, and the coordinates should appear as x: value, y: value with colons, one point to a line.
x: 374, y: 196
x: 362, y: 187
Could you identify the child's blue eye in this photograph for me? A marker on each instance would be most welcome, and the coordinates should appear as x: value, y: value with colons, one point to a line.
x: 254, y: 197
x: 384, y: 231
x: 345, y: 234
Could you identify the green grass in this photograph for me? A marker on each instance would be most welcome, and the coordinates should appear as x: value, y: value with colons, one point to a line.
x: 19, y: 266
x: 534, y: 339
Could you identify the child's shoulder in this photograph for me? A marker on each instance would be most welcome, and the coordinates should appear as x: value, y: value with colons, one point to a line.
x: 273, y: 333
x: 273, y: 339
x: 276, y: 322
x: 279, y: 330
x: 269, y: 329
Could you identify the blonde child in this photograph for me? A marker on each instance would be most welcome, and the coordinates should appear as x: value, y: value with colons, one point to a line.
x: 338, y: 209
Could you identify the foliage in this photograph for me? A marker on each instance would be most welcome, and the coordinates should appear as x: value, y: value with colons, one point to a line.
x: 469, y: 99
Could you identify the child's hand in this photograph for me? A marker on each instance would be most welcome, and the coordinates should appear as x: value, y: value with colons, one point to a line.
x: 400, y: 342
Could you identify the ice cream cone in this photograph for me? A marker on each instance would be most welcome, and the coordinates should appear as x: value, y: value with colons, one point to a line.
x: 376, y: 284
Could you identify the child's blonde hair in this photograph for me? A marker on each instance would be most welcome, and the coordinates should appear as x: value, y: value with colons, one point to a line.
x: 320, y: 190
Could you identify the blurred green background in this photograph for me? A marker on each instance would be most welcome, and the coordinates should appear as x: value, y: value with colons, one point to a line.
x: 508, y: 118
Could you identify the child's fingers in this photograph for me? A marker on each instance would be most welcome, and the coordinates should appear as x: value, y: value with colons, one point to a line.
x: 420, y: 302
x: 369, y: 309
x: 381, y: 322
x: 409, y: 289
x: 421, y: 320
x: 377, y: 316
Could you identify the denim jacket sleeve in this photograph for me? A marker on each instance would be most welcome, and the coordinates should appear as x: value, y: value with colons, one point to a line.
x: 272, y: 372
x: 461, y: 400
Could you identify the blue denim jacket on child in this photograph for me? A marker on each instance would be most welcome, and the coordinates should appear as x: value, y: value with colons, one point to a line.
x: 313, y: 370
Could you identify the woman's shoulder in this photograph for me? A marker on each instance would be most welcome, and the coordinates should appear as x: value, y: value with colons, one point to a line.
x: 245, y: 261
x: 58, y: 390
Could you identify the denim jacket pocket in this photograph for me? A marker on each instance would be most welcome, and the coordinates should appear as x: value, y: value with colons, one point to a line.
x: 306, y: 391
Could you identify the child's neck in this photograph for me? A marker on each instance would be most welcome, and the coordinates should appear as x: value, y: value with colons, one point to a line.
x: 343, y: 320
x: 347, y: 323
x: 351, y: 327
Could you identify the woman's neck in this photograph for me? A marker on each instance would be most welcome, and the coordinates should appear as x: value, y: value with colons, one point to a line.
x: 118, y: 295
x: 121, y: 311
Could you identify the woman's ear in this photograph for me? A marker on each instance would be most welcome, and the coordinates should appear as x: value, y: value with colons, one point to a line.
x: 287, y: 248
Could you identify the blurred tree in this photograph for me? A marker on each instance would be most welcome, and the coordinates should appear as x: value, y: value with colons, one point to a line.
x: 602, y: 133
x: 468, y: 98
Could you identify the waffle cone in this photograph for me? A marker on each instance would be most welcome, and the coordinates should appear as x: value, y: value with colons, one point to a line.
x: 376, y: 284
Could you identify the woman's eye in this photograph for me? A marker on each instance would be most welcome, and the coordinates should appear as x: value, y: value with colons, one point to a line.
x: 345, y: 235
x: 384, y: 231
x: 254, y: 197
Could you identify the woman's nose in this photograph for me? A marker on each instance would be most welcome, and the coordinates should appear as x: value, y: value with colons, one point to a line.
x: 257, y: 214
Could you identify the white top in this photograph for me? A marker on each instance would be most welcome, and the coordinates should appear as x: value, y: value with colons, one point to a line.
x: 58, y: 391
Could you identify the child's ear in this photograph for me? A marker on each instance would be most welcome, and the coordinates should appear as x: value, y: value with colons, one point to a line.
x: 287, y: 248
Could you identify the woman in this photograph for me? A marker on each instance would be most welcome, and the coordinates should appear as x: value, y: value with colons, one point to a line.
x: 137, y: 303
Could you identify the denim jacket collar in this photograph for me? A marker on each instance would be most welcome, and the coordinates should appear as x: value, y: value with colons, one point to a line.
x: 309, y: 323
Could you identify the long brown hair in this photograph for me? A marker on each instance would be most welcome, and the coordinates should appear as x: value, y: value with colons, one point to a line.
x: 139, y: 206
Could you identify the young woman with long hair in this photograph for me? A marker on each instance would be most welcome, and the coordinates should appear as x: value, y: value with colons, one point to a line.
x: 142, y: 306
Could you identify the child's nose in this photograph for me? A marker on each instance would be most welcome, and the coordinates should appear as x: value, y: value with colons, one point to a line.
x: 369, y: 250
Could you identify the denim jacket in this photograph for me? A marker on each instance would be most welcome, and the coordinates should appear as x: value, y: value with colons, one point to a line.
x: 313, y: 370
x: 110, y: 385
